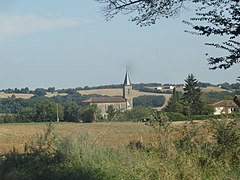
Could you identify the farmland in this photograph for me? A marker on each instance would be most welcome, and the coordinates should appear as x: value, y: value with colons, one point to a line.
x: 113, y: 134
x: 122, y: 151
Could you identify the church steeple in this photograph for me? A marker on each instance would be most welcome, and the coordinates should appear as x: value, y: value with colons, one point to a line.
x: 127, y: 81
x: 127, y: 91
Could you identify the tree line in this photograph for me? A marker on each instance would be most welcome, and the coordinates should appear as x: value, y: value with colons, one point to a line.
x: 69, y: 108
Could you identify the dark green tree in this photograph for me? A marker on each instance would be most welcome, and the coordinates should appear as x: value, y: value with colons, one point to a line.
x: 88, y: 114
x: 153, y: 101
x: 25, y: 115
x: 51, y: 89
x: 71, y: 112
x: 174, y: 103
x: 192, y: 103
x: 139, y: 113
x: 40, y: 92
x: 48, y: 111
x: 25, y: 90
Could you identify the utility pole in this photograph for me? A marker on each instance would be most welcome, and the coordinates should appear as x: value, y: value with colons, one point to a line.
x: 57, y: 113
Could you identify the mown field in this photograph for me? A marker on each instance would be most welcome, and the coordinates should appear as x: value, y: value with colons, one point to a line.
x: 103, y: 151
x: 112, y: 134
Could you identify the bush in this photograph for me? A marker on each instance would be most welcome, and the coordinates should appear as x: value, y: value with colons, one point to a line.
x: 152, y: 101
x: 7, y: 118
x: 176, y: 116
x: 137, y: 114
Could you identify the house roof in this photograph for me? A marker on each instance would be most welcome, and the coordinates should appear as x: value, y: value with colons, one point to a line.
x: 225, y: 103
x: 105, y: 100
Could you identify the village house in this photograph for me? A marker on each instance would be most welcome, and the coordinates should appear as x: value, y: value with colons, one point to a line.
x: 120, y: 103
x: 227, y: 106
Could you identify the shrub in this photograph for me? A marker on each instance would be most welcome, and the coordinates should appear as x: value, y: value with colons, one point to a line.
x: 174, y: 116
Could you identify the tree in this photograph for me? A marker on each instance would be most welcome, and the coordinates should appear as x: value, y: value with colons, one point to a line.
x: 88, y: 114
x: 40, y: 92
x: 111, y: 112
x: 51, y: 89
x: 146, y: 100
x: 148, y: 11
x: 174, y: 103
x: 71, y: 112
x: 222, y: 17
x: 25, y: 115
x: 47, y: 111
x: 138, y: 113
x: 191, y: 96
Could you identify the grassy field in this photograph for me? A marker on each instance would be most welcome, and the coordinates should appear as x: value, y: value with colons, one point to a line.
x: 113, y: 134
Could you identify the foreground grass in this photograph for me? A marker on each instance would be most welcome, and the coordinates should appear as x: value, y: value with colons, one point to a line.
x: 187, y: 151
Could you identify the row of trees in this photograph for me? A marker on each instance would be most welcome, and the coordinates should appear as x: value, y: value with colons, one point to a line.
x: 67, y: 108
x: 47, y: 110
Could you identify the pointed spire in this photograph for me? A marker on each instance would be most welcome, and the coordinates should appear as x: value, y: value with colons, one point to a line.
x: 127, y: 81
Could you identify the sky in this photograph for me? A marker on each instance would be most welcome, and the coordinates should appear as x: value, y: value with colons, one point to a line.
x: 68, y: 44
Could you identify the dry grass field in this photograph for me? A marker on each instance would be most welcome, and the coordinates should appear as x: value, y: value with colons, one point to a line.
x: 27, y: 96
x: 207, y: 89
x: 113, y: 134
x: 17, y: 95
x: 118, y: 92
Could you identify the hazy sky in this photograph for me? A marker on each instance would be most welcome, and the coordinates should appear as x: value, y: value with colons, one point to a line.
x: 62, y: 44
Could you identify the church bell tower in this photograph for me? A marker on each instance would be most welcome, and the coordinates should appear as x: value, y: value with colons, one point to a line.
x: 127, y: 91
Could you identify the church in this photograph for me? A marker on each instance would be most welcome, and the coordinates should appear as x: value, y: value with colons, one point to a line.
x: 120, y: 103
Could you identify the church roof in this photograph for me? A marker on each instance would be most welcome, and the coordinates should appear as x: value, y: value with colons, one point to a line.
x: 105, y: 100
x: 127, y: 81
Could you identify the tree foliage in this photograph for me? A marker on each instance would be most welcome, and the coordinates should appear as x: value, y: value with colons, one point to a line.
x: 48, y: 111
x: 214, y: 17
x: 219, y: 18
x: 88, y: 114
x: 174, y: 103
x: 146, y: 11
x: 71, y: 112
x: 190, y: 102
x: 112, y: 112
x: 153, y: 101
x: 40, y: 92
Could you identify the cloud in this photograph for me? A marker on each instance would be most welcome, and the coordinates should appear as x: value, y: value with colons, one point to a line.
x: 15, y: 25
